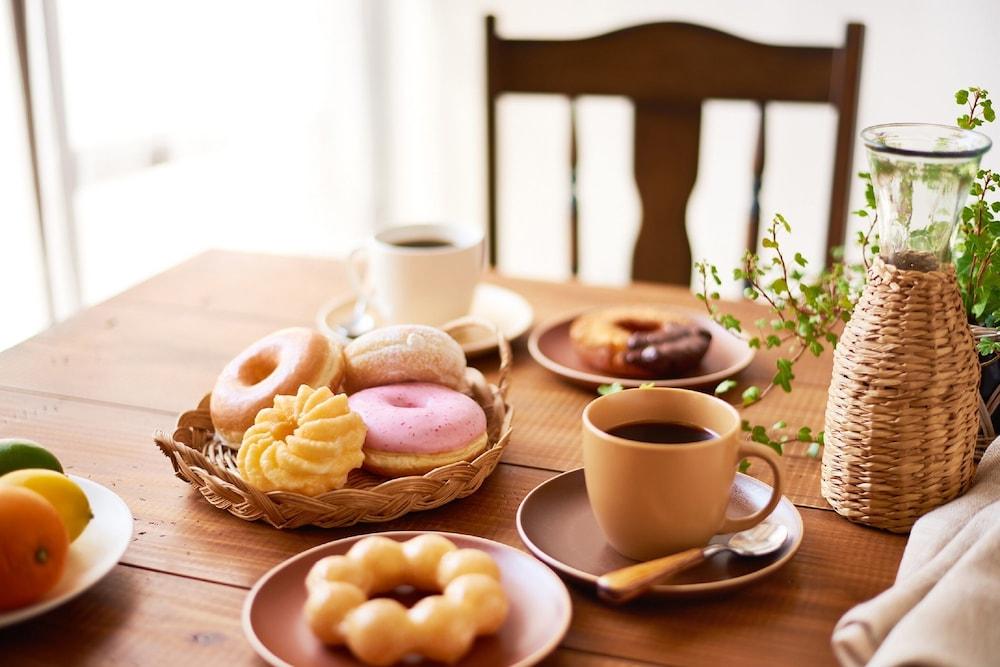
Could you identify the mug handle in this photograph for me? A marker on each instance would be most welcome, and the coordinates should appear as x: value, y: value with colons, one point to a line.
x: 736, y: 524
x: 356, y: 275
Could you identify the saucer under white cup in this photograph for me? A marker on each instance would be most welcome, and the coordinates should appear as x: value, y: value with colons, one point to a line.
x: 419, y: 274
x: 508, y: 310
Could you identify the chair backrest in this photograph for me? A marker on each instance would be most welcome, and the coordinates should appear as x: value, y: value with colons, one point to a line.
x: 668, y: 70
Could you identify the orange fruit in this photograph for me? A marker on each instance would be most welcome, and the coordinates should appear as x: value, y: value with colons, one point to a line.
x: 33, y: 546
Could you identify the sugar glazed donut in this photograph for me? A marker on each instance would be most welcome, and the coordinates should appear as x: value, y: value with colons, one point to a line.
x: 471, y: 601
x: 403, y: 353
x: 416, y: 427
x: 276, y: 364
x: 639, y: 341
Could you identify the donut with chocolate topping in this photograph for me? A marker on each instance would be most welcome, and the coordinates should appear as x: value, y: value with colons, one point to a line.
x: 642, y: 342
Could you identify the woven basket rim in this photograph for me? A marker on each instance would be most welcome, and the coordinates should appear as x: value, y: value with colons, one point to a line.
x: 387, y: 499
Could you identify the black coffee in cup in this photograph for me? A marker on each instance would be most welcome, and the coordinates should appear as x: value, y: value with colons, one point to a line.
x: 423, y: 243
x: 662, y: 432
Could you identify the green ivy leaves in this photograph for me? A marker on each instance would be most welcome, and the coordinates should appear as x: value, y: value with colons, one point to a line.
x: 980, y: 107
x: 805, y: 313
x: 616, y: 387
x: 977, y: 246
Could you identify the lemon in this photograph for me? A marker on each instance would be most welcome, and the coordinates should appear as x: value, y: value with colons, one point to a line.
x: 65, y: 495
x: 18, y: 453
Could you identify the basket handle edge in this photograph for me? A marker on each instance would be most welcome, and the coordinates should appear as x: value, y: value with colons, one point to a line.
x: 503, y: 346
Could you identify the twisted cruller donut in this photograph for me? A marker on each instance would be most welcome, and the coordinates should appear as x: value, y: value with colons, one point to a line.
x: 306, y: 443
x: 381, y: 631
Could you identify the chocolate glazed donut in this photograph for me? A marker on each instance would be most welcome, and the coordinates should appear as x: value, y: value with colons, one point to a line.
x: 672, y: 350
x: 639, y: 341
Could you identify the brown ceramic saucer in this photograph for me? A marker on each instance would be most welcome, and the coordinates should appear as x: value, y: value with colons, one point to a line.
x: 556, y: 523
x: 550, y: 345
x: 540, y: 609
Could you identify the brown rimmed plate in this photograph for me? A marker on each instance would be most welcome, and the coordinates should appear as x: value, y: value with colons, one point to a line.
x: 556, y: 523
x: 540, y: 609
x: 550, y: 345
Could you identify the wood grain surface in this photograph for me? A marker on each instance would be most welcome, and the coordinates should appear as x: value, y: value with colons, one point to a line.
x: 96, y: 386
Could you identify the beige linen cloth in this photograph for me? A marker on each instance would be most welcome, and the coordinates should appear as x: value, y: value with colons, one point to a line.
x: 944, y: 608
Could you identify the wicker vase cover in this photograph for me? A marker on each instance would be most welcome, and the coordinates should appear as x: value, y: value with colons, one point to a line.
x: 902, y: 413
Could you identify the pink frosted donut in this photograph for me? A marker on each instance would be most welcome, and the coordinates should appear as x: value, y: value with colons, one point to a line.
x: 417, y: 426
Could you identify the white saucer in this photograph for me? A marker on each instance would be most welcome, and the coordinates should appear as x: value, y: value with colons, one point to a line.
x: 510, y: 311
x: 91, y: 556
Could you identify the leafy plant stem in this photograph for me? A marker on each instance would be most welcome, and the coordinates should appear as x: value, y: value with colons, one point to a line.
x: 766, y: 390
x: 866, y: 243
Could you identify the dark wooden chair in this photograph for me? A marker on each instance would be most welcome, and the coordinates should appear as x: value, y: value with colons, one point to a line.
x: 668, y: 70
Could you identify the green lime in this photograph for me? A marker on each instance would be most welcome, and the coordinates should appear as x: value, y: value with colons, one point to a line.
x: 18, y: 454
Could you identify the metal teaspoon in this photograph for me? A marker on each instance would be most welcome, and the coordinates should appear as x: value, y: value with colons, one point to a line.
x: 629, y: 582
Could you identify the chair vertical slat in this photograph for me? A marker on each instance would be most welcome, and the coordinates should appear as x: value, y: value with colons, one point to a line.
x: 753, y: 228
x: 574, y: 222
x: 666, y: 166
x: 492, y: 83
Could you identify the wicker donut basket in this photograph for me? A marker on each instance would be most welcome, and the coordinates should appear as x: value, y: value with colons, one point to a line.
x: 902, y: 414
x: 204, y: 461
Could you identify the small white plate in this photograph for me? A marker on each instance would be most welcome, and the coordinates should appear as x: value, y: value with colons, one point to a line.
x: 91, y: 556
x: 508, y: 310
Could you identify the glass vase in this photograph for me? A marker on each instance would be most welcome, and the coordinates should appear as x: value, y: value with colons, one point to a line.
x: 921, y: 174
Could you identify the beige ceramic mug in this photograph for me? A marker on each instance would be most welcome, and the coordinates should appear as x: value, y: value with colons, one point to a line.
x: 655, y: 499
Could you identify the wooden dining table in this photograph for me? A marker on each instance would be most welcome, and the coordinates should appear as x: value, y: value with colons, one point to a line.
x: 95, y: 387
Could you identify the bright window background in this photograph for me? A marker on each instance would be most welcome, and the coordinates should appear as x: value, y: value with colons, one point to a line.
x: 214, y: 124
x: 22, y: 278
x: 299, y: 128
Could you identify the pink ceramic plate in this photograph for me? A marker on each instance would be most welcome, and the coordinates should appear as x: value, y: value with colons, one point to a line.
x: 550, y: 345
x: 556, y: 523
x: 539, y: 616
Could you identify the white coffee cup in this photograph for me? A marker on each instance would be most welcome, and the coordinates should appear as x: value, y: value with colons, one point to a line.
x: 419, y: 274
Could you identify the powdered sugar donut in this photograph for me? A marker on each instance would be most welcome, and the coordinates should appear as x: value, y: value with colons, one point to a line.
x: 403, y: 353
x: 416, y: 427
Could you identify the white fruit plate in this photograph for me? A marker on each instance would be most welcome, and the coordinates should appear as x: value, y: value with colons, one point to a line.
x: 91, y: 556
